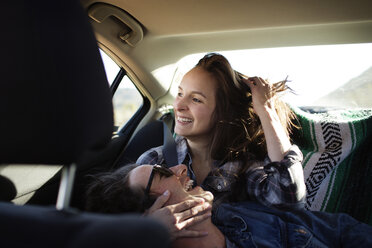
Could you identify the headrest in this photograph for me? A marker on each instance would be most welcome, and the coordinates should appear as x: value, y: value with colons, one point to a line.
x: 8, y: 190
x: 55, y: 101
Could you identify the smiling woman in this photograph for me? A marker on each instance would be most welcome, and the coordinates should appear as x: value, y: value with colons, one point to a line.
x: 195, y: 103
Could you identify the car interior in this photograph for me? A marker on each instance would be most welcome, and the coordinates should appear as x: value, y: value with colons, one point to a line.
x: 89, y: 86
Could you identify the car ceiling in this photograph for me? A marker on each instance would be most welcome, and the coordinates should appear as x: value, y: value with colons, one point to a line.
x: 170, y: 17
x: 173, y: 29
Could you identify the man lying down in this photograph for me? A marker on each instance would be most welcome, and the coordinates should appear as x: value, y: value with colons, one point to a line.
x: 241, y: 224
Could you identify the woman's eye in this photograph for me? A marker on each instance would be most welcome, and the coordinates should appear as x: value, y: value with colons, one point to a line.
x: 179, y: 94
x: 196, y: 100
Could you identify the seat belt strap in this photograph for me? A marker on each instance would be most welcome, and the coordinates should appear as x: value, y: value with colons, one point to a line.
x: 169, y: 147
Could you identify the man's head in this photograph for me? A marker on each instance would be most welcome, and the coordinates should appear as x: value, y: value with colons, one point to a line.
x: 109, y: 192
x: 134, y: 188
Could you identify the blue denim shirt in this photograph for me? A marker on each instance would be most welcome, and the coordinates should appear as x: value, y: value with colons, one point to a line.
x: 250, y: 224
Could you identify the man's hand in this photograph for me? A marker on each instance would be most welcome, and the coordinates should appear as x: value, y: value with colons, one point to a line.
x: 200, y: 193
x: 178, y: 217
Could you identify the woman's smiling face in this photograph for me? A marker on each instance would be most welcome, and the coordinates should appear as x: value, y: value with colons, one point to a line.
x: 195, y: 104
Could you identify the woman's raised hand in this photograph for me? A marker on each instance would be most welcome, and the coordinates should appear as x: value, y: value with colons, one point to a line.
x: 277, y: 140
x: 261, y: 93
x: 178, y: 217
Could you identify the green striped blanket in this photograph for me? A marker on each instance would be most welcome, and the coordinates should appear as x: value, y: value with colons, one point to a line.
x: 337, y: 148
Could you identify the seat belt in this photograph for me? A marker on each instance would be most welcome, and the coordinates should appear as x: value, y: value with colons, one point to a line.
x: 169, y: 147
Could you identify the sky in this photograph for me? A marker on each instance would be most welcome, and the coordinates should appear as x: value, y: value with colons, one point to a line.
x: 314, y: 71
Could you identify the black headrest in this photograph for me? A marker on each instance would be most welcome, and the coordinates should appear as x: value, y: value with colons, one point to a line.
x: 8, y: 190
x: 35, y: 226
x: 55, y: 101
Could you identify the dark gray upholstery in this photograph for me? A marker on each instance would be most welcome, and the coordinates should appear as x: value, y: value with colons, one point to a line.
x: 55, y: 107
x: 43, y: 227
x: 55, y: 102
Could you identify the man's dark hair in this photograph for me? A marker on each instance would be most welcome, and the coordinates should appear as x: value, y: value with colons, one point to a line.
x: 109, y: 192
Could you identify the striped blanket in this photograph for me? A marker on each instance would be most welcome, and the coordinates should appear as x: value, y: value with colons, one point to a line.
x: 337, y: 148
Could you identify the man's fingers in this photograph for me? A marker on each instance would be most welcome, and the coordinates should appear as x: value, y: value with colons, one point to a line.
x: 194, y: 211
x: 160, y: 201
x: 190, y: 234
x: 185, y: 205
x: 193, y: 220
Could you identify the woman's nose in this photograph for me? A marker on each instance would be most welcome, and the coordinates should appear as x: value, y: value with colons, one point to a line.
x: 180, y: 104
x: 179, y: 170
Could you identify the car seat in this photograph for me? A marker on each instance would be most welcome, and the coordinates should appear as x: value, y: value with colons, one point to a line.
x: 56, y: 109
x: 161, y: 133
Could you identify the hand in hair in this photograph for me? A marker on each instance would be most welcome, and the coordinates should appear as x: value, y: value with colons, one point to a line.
x: 274, y: 115
x: 262, y: 94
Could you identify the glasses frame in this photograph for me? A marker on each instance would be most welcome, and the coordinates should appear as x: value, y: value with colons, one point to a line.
x: 162, y: 170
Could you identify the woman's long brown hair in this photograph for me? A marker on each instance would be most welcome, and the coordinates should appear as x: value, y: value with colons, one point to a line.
x: 238, y: 133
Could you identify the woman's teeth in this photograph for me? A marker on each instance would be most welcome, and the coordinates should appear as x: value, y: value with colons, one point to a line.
x: 184, y: 119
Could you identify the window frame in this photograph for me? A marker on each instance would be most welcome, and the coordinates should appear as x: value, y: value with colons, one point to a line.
x: 132, y: 123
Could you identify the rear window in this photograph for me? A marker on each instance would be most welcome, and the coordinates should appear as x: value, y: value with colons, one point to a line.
x: 327, y: 75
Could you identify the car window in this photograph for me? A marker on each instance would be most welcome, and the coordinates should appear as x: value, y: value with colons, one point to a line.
x: 127, y: 99
x: 324, y: 75
x: 111, y: 68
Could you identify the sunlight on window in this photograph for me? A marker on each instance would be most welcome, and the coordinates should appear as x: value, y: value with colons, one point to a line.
x: 111, y: 67
x: 127, y: 99
x: 328, y: 75
x: 314, y: 71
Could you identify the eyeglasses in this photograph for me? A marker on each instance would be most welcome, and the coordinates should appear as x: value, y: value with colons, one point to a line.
x: 160, y: 170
